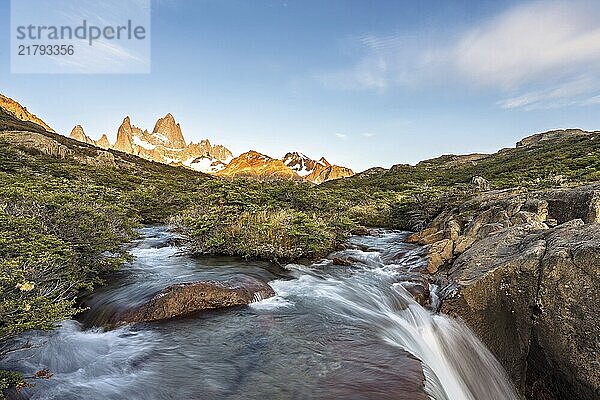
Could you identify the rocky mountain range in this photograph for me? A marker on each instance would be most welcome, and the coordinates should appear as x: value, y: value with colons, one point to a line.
x: 166, y: 144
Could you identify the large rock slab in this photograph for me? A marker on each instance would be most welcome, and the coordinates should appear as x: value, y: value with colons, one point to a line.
x: 567, y: 204
x: 186, y: 298
x: 532, y: 296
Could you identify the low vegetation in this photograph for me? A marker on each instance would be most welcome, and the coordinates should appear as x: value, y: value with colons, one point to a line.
x: 63, y: 224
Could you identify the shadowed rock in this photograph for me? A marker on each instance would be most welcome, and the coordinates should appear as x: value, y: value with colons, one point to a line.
x: 532, y: 297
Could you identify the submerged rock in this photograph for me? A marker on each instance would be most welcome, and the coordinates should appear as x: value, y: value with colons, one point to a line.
x: 186, y: 298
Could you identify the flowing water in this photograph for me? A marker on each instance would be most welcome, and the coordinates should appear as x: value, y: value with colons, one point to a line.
x: 331, y: 332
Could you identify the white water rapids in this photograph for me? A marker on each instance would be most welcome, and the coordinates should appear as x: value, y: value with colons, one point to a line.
x: 331, y: 332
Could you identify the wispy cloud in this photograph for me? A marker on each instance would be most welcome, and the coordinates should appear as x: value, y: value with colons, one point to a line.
x: 576, y: 92
x: 368, y: 134
x: 539, y: 54
x: 341, y: 136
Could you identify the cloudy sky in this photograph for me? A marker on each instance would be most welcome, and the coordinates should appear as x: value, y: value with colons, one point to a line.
x: 364, y: 83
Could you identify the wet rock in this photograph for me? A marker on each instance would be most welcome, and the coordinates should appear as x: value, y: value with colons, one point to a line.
x: 419, y: 290
x: 426, y: 236
x: 341, y: 261
x: 531, y: 295
x: 186, y: 298
x: 360, y: 231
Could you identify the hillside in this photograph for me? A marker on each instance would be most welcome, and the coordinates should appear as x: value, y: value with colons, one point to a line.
x: 547, y: 163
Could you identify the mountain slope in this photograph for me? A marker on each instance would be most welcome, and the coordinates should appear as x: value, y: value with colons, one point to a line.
x: 19, y: 112
x: 315, y: 171
x: 253, y: 164
x: 560, y: 160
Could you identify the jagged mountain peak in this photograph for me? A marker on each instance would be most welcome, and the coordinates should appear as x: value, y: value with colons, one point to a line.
x: 168, y: 130
x: 316, y: 171
x: 103, y: 142
x: 78, y: 133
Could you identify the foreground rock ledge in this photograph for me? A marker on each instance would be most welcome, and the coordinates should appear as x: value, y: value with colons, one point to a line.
x: 186, y: 298
x: 528, y: 288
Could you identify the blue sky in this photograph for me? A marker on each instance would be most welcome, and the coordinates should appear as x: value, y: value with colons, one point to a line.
x: 364, y: 83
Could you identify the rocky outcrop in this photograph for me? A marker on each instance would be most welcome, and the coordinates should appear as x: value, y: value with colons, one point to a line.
x: 527, y: 287
x: 480, y: 183
x: 552, y: 135
x: 453, y: 160
x: 256, y: 165
x: 21, y: 113
x: 568, y: 204
x: 187, y: 298
x: 531, y: 295
x: 124, y: 141
x: 37, y: 142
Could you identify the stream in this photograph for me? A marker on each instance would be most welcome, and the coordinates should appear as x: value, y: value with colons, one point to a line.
x: 331, y: 332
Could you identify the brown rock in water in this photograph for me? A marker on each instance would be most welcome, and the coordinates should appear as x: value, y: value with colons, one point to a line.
x: 186, y: 298
x: 371, y: 369
x: 360, y: 231
x: 438, y: 254
x: 419, y: 290
x: 341, y: 261
x: 426, y: 236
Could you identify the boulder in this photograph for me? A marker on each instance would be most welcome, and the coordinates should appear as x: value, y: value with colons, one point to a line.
x: 341, y: 261
x: 531, y: 295
x: 360, y: 231
x: 38, y: 143
x: 574, y: 203
x: 187, y: 298
x: 480, y: 183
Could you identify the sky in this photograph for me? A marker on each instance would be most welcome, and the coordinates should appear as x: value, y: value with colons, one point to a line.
x: 363, y: 83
